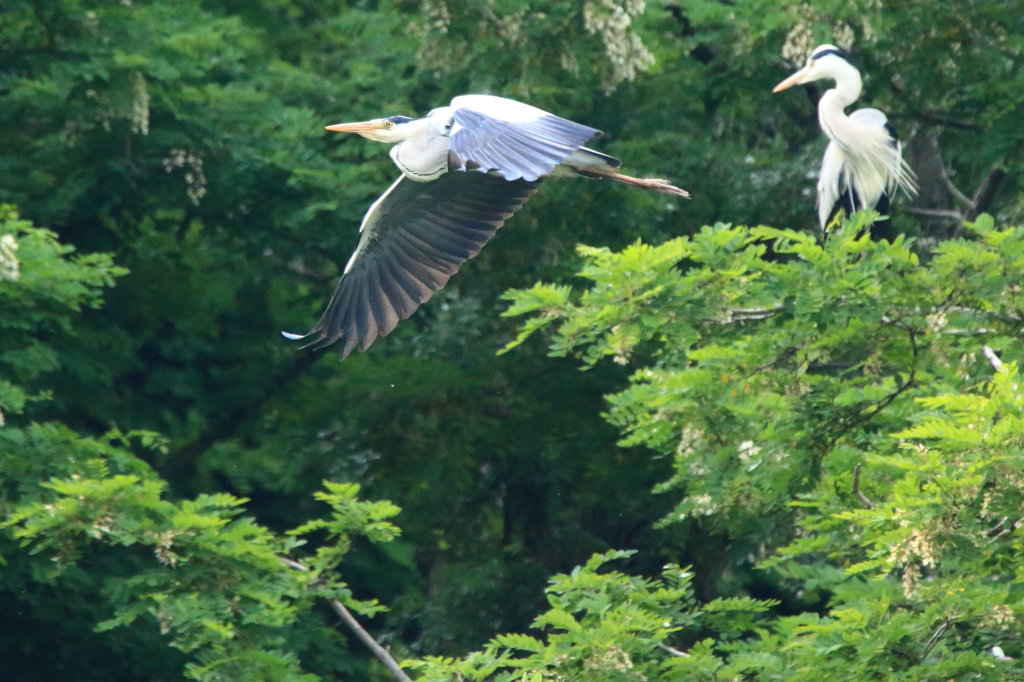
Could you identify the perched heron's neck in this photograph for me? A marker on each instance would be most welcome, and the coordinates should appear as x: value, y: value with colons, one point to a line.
x: 831, y: 115
x: 848, y: 83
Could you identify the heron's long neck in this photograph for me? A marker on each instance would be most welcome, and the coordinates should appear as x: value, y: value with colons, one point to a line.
x: 831, y: 115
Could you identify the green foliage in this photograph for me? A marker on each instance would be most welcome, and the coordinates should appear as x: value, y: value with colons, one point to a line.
x: 777, y: 372
x: 212, y: 580
x: 752, y: 369
x: 602, y: 626
x: 207, y: 578
x: 215, y: 581
x: 38, y: 283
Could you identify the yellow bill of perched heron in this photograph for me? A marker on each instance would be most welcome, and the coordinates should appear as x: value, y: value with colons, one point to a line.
x: 465, y: 169
x: 863, y: 164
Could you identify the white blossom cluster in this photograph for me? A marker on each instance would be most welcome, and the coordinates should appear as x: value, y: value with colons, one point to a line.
x: 139, y: 114
x: 437, y: 15
x: 627, y: 54
x: 798, y: 44
x: 195, y: 179
x: 510, y: 27
x: 10, y: 267
x: 917, y: 549
x: 163, y: 548
x: 690, y: 442
x: 800, y: 40
x: 702, y: 505
x: 611, y: 659
x: 1001, y: 616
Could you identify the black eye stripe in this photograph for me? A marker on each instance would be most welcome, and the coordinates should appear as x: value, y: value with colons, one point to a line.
x: 842, y: 54
x: 399, y: 119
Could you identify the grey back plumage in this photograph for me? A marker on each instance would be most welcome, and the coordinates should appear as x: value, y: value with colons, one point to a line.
x: 525, y: 150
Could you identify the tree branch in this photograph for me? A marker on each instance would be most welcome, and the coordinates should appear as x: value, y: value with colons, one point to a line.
x: 939, y: 119
x: 380, y: 652
x: 954, y: 190
x: 743, y: 314
x: 937, y: 213
x: 865, y: 416
x: 993, y: 359
x: 674, y: 652
x: 986, y: 191
x: 974, y: 205
x: 936, y: 636
x: 868, y: 504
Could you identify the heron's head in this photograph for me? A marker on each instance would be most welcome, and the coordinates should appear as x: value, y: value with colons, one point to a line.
x: 826, y: 61
x: 391, y: 129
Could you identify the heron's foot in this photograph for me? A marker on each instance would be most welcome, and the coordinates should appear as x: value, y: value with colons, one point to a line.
x: 652, y: 184
x: 665, y: 187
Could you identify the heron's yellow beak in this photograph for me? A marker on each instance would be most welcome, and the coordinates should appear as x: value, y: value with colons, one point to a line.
x: 359, y: 128
x: 795, y: 79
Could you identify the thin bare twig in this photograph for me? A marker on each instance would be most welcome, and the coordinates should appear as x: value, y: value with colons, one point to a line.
x: 987, y: 190
x: 940, y: 119
x: 953, y: 189
x: 972, y: 206
x: 868, y: 504
x: 936, y: 213
x: 757, y: 312
x: 996, y: 527
x: 993, y: 359
x: 862, y: 417
x: 995, y: 533
x: 983, y: 331
x: 380, y: 652
x: 674, y: 652
x: 936, y: 636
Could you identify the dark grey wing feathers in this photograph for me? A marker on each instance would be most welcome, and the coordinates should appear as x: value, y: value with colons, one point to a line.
x: 895, y: 141
x: 413, y: 241
x: 525, y: 150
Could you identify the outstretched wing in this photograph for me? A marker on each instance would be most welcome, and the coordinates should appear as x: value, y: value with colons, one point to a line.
x: 514, y: 139
x: 414, y: 238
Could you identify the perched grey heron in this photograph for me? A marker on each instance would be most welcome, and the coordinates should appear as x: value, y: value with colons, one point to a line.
x: 863, y: 164
x: 466, y: 168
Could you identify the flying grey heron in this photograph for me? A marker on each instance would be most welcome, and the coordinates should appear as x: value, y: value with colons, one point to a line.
x: 465, y: 169
x: 863, y: 164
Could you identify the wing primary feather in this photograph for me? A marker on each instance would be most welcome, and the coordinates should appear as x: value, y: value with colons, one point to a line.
x: 384, y: 310
x: 368, y: 327
x: 432, y: 258
x: 413, y: 239
x: 415, y: 270
x: 419, y: 266
x: 448, y: 244
x: 403, y: 300
x: 416, y: 290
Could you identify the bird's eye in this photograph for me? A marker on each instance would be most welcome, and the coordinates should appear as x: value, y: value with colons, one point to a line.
x: 389, y: 124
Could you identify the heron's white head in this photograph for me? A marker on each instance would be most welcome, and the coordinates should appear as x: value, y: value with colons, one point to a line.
x: 391, y: 129
x: 825, y: 62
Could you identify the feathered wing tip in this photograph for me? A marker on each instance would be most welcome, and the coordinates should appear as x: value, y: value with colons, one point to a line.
x: 413, y: 240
